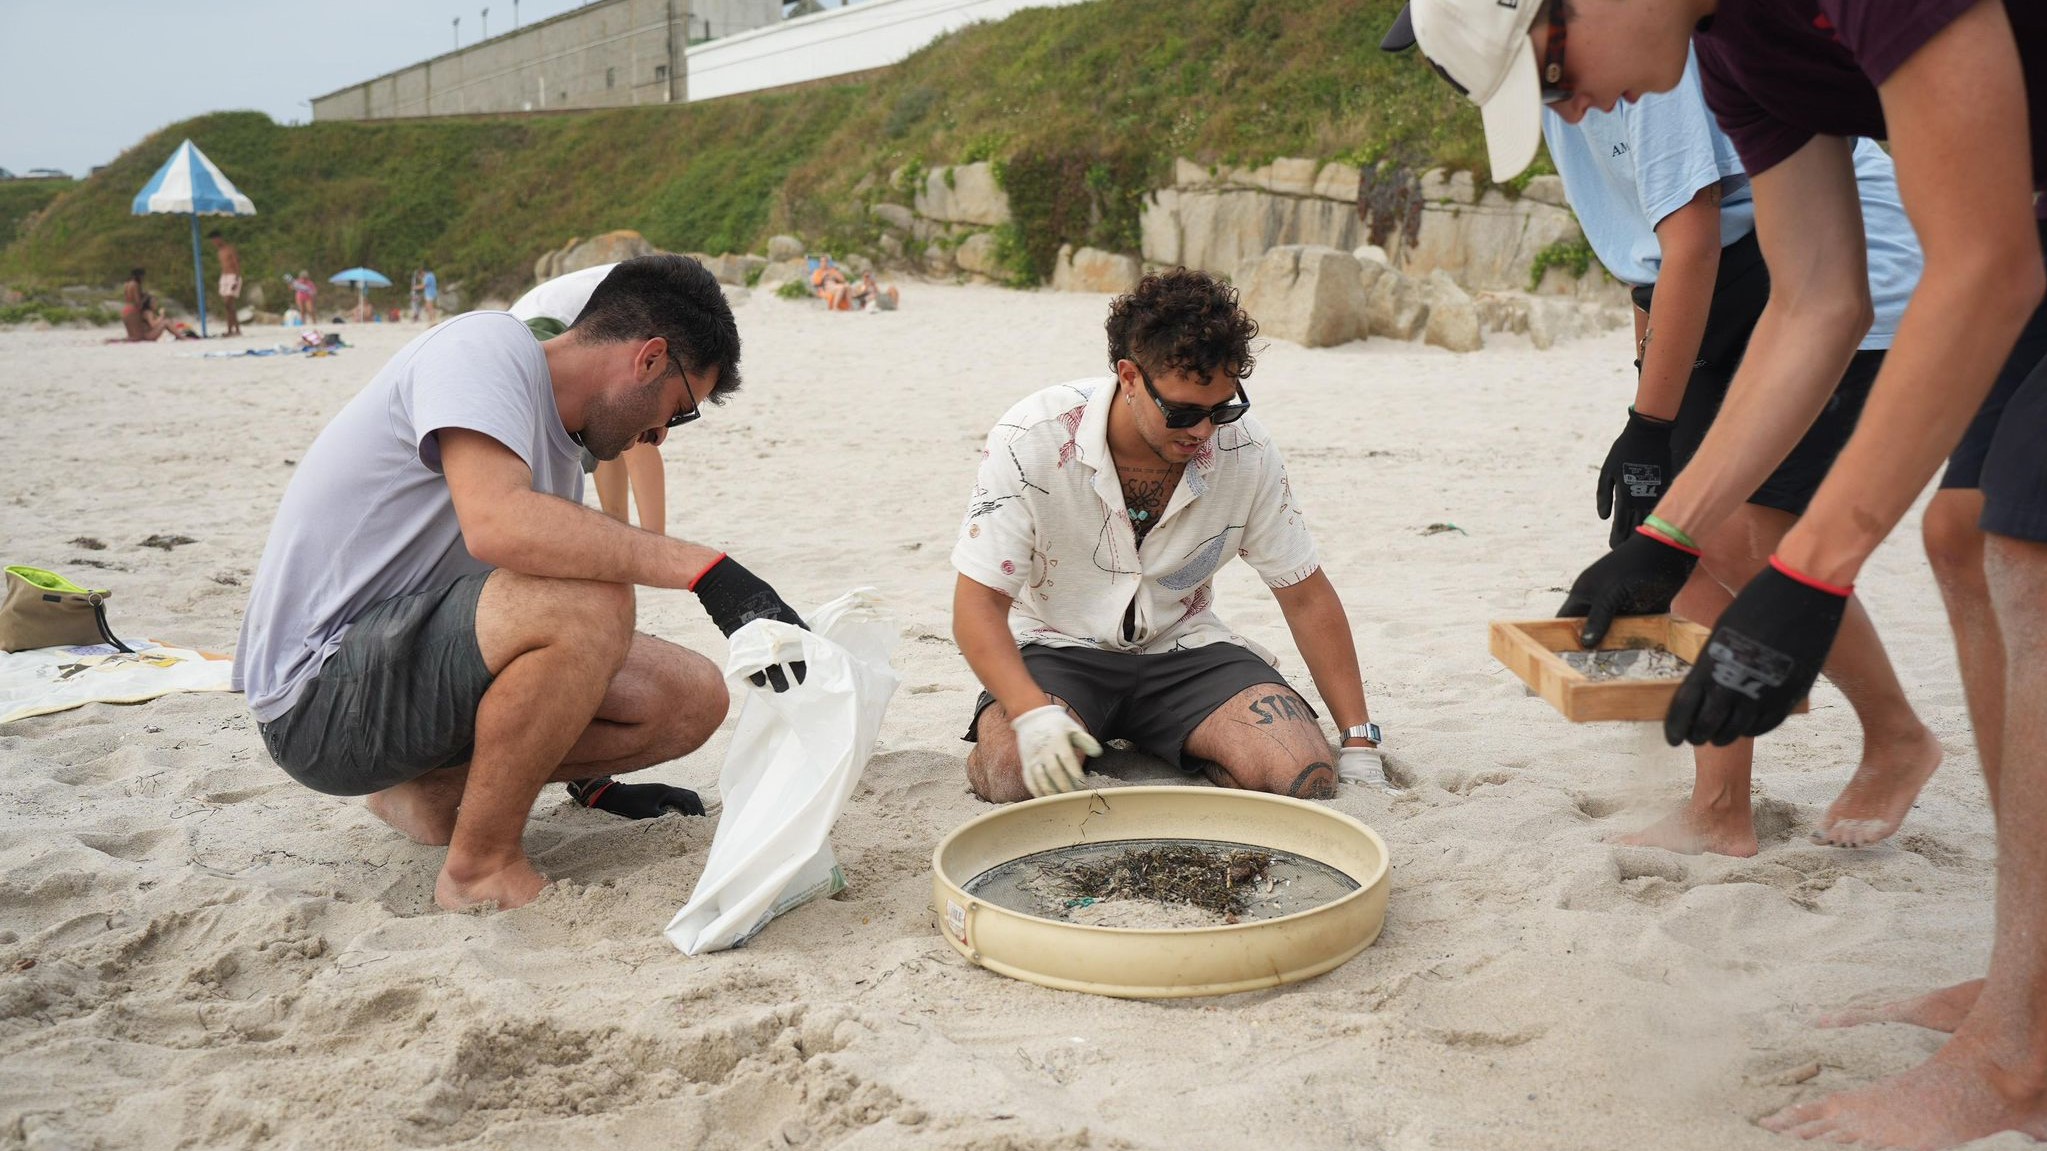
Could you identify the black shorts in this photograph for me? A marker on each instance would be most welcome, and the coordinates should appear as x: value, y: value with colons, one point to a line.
x: 396, y: 700
x: 1153, y: 701
x: 2015, y: 470
x: 1965, y: 465
x: 1791, y: 487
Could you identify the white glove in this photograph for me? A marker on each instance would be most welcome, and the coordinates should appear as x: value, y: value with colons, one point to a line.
x: 1052, y: 747
x: 1363, y: 765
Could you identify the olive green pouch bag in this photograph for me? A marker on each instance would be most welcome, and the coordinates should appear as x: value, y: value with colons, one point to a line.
x: 43, y: 609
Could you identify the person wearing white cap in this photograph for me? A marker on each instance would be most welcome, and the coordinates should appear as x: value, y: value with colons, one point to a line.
x: 1959, y: 88
x: 1667, y: 208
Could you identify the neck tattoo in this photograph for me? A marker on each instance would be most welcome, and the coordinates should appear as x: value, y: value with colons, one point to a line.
x: 1146, y: 491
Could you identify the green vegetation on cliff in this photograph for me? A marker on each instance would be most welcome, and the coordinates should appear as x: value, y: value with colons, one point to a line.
x: 1081, y: 108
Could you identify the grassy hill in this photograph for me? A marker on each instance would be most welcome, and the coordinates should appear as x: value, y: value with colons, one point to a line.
x: 1082, y: 108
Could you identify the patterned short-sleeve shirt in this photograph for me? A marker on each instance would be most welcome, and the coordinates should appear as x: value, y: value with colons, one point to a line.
x: 1047, y: 525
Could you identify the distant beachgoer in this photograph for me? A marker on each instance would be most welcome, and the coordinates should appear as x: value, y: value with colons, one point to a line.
x: 303, y: 292
x: 230, y: 281
x: 439, y: 625
x: 138, y: 310
x: 871, y: 296
x: 430, y: 291
x: 828, y: 283
x: 418, y: 294
x: 1087, y: 559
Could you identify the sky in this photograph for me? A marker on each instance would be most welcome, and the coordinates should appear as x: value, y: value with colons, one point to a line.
x: 82, y: 80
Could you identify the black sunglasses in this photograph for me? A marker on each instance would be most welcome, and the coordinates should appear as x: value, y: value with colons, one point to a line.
x: 692, y: 412
x: 1553, y: 90
x: 1183, y: 416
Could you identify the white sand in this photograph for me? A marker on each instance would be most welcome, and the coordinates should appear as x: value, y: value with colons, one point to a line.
x: 197, y: 952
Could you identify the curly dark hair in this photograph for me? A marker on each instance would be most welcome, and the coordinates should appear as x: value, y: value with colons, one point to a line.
x: 1182, y: 321
x: 673, y: 297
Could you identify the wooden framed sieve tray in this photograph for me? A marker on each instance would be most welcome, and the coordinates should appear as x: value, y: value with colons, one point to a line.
x: 1632, y: 675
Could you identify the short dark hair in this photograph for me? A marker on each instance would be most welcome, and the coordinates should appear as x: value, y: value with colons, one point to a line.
x: 673, y: 297
x: 135, y: 273
x: 1182, y: 321
x: 214, y: 234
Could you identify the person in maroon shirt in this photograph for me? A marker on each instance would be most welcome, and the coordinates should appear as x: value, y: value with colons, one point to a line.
x: 1950, y: 84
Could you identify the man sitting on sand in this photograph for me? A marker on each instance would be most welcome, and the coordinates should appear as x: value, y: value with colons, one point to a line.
x: 440, y: 625
x: 1103, y: 510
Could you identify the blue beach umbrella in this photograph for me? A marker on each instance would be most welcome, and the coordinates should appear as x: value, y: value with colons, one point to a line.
x: 363, y: 278
x: 191, y: 185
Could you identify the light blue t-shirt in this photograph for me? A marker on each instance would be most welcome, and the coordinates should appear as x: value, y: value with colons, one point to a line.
x: 367, y: 515
x: 1625, y: 170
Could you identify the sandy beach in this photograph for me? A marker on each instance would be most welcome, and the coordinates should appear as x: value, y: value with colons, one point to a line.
x: 197, y: 952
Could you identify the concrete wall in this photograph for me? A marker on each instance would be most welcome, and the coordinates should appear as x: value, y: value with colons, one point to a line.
x: 607, y: 54
x: 713, y: 19
x: 855, y: 38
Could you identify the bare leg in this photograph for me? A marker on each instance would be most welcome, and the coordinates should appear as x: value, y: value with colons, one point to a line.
x: 1718, y: 817
x: 610, y: 481
x: 576, y: 694
x: 1955, y: 547
x: 994, y: 767
x: 1992, y: 1076
x: 650, y: 486
x: 1265, y: 739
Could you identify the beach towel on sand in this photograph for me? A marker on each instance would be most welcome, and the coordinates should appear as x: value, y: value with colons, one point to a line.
x: 47, y: 679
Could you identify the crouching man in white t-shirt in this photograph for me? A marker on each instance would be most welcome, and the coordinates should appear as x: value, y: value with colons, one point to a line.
x: 1087, y: 562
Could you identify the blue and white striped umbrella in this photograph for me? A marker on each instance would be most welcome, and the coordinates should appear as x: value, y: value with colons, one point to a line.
x: 190, y: 184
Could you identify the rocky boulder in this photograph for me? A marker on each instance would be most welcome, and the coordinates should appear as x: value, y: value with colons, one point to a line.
x: 1311, y: 295
x: 965, y: 194
x: 1453, y: 318
x: 1396, y: 307
x: 977, y: 254
x: 1093, y: 270
x: 733, y: 269
x: 782, y: 248
x: 894, y: 217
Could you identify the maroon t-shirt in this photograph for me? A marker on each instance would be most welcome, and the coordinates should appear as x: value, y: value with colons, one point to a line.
x: 1779, y: 72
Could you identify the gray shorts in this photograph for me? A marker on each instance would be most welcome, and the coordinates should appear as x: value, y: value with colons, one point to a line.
x: 1154, y: 701
x: 396, y: 700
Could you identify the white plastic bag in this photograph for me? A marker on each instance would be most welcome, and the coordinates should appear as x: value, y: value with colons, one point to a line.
x: 794, y: 761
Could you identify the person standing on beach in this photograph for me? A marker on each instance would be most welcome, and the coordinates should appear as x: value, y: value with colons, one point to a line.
x: 1087, y: 561
x: 1668, y: 211
x: 415, y: 297
x: 430, y: 291
x: 438, y: 623
x: 548, y: 311
x: 303, y: 293
x: 230, y: 281
x: 1959, y: 88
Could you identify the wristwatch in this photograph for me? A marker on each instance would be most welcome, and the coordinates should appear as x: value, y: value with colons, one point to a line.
x: 1365, y: 730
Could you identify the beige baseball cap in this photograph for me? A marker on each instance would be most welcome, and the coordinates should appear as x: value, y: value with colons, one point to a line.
x: 1482, y: 48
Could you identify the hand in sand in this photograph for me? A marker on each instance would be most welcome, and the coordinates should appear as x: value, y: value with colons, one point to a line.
x: 1640, y: 577
x: 1364, y: 765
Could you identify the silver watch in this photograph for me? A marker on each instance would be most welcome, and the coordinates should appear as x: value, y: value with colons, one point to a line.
x: 1365, y: 730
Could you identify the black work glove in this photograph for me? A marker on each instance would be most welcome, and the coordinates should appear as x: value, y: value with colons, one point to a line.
x: 635, y: 800
x: 1759, y: 662
x: 735, y: 597
x: 1640, y: 577
x: 1632, y: 479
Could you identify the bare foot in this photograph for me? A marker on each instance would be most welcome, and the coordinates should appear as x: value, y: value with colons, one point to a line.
x: 1941, y: 1010
x: 1877, y: 799
x: 1963, y: 1093
x: 423, y: 808
x: 1690, y: 831
x: 515, y: 884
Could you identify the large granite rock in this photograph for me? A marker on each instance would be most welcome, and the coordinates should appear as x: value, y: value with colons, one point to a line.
x: 1453, y: 318
x: 1308, y: 294
x: 894, y: 217
x: 782, y: 271
x: 1093, y: 270
x: 1396, y: 307
x: 976, y: 254
x: 782, y: 248
x: 609, y: 248
x: 734, y: 269
x: 964, y: 194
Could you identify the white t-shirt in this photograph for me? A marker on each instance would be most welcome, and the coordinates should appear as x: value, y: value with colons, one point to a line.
x: 367, y: 516
x: 1047, y: 524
